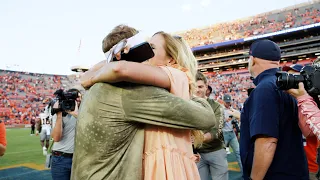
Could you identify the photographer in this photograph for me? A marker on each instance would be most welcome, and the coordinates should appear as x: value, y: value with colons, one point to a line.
x: 63, y: 135
x: 229, y: 135
x: 310, y: 142
x: 309, y: 113
x: 309, y: 118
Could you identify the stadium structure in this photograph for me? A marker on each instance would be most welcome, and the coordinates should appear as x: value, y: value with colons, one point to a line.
x: 221, y: 49
x: 224, y: 48
x: 222, y: 53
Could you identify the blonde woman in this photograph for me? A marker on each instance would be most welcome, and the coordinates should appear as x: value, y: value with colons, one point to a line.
x: 192, y: 65
x: 168, y: 152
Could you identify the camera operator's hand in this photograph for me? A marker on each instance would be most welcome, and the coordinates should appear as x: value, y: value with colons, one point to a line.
x: 298, y: 92
x: 234, y: 113
x: 74, y: 113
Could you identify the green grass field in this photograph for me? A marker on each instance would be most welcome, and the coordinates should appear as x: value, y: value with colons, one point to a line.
x: 22, y: 148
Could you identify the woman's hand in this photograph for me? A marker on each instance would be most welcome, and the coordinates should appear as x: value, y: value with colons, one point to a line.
x: 86, y: 78
x: 198, y: 157
x: 86, y: 82
x: 122, y: 46
x: 125, y: 50
x: 298, y: 92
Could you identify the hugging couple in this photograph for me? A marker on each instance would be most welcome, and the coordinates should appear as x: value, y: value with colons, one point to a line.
x: 141, y: 120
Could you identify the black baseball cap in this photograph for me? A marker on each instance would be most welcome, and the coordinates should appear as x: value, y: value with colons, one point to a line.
x: 265, y: 49
x: 227, y: 98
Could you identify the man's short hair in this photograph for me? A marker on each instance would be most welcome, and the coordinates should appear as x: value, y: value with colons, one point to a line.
x: 117, y: 34
x: 210, y: 89
x: 201, y: 77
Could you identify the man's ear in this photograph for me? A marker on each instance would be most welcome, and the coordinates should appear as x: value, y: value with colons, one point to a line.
x: 254, y: 61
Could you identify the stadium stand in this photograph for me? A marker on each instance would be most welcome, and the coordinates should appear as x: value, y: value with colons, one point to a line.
x: 221, y: 56
x: 222, y: 50
x: 295, y: 16
x: 24, y: 95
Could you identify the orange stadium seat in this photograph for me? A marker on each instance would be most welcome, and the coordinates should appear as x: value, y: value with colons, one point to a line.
x: 252, y: 26
x: 22, y: 94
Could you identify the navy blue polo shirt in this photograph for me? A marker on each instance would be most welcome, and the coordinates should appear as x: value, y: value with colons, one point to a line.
x: 274, y: 113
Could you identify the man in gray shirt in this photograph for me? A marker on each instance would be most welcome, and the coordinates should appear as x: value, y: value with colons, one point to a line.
x: 63, y: 135
x: 228, y: 133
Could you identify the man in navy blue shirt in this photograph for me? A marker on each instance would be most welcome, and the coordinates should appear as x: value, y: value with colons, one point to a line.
x: 271, y: 145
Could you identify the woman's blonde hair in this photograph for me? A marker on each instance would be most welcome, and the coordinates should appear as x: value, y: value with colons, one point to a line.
x: 179, y: 50
x: 190, y: 63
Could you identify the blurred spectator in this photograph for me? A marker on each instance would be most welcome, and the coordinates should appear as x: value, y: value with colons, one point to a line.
x: 3, y: 140
x: 236, y: 85
x: 24, y: 95
x: 33, y: 125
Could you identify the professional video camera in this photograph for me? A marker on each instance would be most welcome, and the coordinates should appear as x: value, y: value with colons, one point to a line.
x: 67, y: 101
x: 309, y: 75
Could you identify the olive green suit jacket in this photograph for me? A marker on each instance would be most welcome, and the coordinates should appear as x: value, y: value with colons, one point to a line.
x: 109, y: 138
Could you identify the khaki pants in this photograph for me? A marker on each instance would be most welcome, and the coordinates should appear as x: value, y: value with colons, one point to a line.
x: 312, y: 176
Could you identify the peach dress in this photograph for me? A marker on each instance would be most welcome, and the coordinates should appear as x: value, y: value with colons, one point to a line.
x: 168, y: 152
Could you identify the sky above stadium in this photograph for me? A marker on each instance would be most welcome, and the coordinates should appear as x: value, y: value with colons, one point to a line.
x: 44, y: 36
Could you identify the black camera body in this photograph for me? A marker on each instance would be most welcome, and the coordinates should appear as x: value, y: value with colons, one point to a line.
x: 235, y: 124
x: 67, y: 101
x: 309, y: 76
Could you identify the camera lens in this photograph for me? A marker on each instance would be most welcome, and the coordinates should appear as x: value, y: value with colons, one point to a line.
x: 287, y: 81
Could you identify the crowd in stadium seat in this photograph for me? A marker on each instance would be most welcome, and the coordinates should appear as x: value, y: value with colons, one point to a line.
x: 24, y: 95
x: 235, y: 84
x: 257, y: 25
